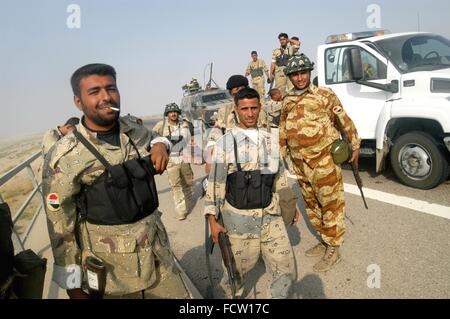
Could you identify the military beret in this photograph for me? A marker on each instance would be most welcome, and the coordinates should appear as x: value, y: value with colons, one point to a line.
x: 236, y: 81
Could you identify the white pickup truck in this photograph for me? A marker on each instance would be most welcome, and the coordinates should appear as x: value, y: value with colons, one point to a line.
x: 396, y: 88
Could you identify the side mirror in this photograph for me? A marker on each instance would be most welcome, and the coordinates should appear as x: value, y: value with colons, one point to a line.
x: 331, y: 58
x: 356, y: 64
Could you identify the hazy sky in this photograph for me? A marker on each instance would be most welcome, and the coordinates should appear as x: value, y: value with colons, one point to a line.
x: 157, y: 46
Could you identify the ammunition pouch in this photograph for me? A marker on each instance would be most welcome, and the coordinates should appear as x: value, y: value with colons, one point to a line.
x: 341, y: 151
x: 256, y: 72
x: 123, y: 194
x: 248, y: 189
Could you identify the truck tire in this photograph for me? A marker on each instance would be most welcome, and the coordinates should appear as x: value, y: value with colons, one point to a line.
x: 417, y: 161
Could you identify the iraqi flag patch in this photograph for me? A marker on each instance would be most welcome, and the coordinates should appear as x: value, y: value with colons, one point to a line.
x: 53, y: 203
x: 337, y: 109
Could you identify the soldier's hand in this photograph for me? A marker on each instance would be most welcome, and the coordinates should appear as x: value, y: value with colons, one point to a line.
x: 296, y: 217
x: 77, y: 293
x: 159, y: 157
x: 216, y: 228
x: 355, y: 157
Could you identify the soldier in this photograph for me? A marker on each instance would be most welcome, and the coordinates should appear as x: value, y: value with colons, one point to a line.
x: 310, y: 122
x: 101, y: 199
x: 227, y: 119
x: 226, y: 115
x: 179, y: 172
x: 280, y: 56
x: 54, y: 135
x: 251, y: 212
x: 273, y: 107
x: 257, y: 68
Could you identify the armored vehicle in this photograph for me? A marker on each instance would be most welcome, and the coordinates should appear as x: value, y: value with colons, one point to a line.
x: 203, y: 104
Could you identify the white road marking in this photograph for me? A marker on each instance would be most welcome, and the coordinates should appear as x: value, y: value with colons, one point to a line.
x: 406, y: 202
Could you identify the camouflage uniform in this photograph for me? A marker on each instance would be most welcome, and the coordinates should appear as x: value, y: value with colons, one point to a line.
x: 257, y: 70
x: 228, y: 119
x: 132, y: 253
x: 181, y: 177
x: 50, y: 138
x: 281, y: 80
x: 252, y: 231
x: 273, y: 110
x: 308, y: 128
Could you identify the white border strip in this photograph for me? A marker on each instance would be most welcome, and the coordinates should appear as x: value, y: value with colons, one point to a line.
x: 406, y: 202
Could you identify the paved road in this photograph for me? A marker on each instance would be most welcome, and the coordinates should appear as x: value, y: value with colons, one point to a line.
x: 407, y: 247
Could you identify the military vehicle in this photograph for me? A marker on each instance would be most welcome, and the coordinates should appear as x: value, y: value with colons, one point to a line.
x: 203, y: 104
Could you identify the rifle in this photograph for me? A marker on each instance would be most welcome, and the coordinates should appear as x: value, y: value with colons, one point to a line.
x: 234, y: 279
x: 354, y: 167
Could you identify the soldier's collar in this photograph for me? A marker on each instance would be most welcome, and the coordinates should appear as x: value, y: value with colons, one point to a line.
x: 312, y: 88
x: 242, y: 134
x: 92, y: 135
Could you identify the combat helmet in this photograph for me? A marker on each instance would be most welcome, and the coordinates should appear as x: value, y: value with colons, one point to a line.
x: 298, y: 63
x: 172, y: 107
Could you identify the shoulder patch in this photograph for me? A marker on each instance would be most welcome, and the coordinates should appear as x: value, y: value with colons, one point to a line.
x: 337, y: 109
x: 53, y: 203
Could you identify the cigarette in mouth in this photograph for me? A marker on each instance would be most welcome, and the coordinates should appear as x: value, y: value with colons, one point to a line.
x: 114, y: 109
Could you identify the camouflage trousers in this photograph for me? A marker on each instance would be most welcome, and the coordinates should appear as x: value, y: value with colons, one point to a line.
x: 272, y: 242
x: 168, y: 285
x: 282, y: 82
x: 323, y: 193
x: 137, y: 258
x: 258, y: 85
x: 181, y: 179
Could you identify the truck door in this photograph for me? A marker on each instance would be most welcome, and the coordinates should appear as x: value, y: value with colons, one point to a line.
x: 363, y: 104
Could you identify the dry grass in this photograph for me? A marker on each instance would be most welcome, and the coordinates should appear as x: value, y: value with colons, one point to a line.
x: 16, y: 190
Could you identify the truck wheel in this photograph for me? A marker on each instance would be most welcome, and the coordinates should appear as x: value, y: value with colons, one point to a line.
x: 417, y: 161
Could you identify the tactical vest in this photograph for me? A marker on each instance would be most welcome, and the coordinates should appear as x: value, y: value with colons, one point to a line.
x: 258, y: 72
x: 282, y: 59
x: 248, y: 189
x: 122, y: 194
x: 174, y: 140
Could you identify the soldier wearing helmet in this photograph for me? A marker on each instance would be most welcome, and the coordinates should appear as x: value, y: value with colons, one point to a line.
x: 179, y: 171
x: 311, y: 120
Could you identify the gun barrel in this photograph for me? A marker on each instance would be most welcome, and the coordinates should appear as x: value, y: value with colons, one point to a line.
x: 359, y: 183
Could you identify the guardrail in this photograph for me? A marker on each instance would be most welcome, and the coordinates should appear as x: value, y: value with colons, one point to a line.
x: 19, y: 244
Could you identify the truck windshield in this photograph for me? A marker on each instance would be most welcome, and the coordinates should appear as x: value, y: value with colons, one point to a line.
x: 214, y: 97
x: 423, y: 52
